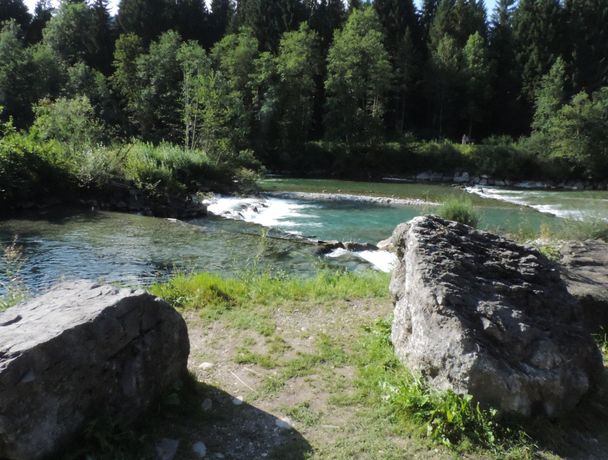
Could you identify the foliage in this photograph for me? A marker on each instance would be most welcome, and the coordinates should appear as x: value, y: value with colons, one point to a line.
x: 277, y: 77
x: 459, y: 210
x: 446, y: 417
x: 358, y: 79
x: 12, y: 286
x: 69, y: 121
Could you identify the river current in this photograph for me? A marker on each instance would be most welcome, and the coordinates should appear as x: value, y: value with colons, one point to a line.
x: 265, y: 233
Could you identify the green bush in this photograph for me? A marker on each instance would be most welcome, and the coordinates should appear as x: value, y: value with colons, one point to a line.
x: 459, y: 210
x: 31, y: 171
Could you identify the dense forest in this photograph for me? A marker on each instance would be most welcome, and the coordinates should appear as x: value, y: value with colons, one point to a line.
x: 317, y: 86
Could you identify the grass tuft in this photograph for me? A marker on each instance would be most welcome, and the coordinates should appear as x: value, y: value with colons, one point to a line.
x: 459, y: 210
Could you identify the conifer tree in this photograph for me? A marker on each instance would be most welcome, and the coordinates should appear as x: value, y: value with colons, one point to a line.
x: 538, y: 30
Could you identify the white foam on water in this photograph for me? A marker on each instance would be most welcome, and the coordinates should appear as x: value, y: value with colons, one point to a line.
x: 529, y: 198
x: 279, y: 213
x: 268, y: 212
x: 383, y: 261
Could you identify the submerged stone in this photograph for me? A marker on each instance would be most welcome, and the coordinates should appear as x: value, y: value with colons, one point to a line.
x: 479, y: 314
x: 79, y: 353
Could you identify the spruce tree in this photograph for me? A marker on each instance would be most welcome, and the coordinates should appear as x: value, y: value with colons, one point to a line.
x: 220, y: 18
x: 587, y: 32
x: 539, y: 39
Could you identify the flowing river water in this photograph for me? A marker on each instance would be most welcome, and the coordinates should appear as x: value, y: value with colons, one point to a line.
x: 257, y: 233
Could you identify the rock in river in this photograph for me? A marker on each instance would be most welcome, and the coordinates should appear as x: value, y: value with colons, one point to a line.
x: 79, y: 352
x: 479, y: 314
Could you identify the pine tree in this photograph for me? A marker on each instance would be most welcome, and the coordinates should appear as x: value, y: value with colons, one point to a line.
x: 404, y: 45
x: 190, y: 19
x: 459, y: 19
x: 587, y: 34
x: 508, y: 113
x: 269, y: 19
x: 103, y: 35
x: 539, y: 39
x: 145, y: 18
x: 220, y: 18
x: 325, y: 17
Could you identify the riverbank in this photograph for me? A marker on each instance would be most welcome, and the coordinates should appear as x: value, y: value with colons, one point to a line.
x: 160, y: 180
x: 287, y: 368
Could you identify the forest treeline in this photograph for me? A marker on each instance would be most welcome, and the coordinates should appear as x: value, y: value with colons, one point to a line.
x: 317, y: 85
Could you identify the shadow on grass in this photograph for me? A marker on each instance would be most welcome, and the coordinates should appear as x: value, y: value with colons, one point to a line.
x: 195, y: 413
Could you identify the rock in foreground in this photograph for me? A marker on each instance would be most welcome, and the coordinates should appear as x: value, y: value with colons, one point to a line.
x: 585, y: 272
x: 80, y: 352
x: 482, y: 315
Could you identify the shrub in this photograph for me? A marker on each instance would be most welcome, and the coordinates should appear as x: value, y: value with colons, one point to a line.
x: 459, y: 210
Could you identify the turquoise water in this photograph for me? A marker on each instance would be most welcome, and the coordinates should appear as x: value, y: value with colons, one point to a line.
x: 136, y: 251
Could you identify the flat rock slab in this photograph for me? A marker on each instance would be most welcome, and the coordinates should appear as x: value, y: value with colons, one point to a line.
x: 585, y: 272
x: 80, y: 352
x: 479, y: 314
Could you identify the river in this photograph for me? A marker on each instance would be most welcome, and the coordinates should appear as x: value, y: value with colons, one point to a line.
x: 136, y: 250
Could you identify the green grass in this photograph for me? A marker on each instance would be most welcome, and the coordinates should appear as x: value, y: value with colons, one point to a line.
x: 449, y: 419
x: 214, y: 295
x: 459, y: 210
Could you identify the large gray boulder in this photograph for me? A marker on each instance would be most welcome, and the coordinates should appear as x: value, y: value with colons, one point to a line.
x: 585, y: 272
x: 79, y: 352
x: 478, y: 314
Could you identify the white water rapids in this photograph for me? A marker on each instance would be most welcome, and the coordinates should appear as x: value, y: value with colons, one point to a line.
x: 294, y: 216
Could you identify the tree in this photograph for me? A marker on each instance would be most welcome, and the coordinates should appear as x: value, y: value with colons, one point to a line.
x: 68, y: 33
x: 145, y: 18
x: 459, y: 19
x: 298, y: 65
x: 579, y: 133
x: 446, y: 66
x: 550, y: 96
x: 15, y: 10
x: 478, y: 74
x: 404, y: 45
x: 326, y: 17
x: 269, y: 19
x: 538, y: 30
x: 234, y: 56
x: 214, y: 116
x: 222, y: 12
x: 587, y: 34
x: 509, y: 116
x: 104, y: 37
x: 358, y: 78
x: 13, y: 74
x: 150, y: 84
x: 191, y: 21
x: 70, y: 121
x: 43, y: 12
